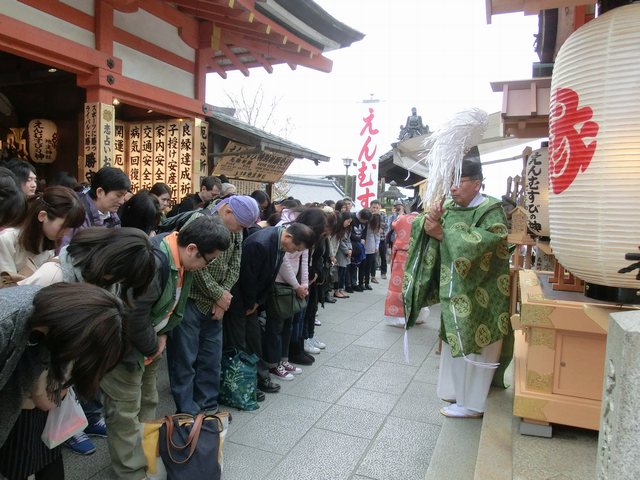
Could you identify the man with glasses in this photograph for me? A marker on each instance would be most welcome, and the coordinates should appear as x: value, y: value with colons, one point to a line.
x: 465, y: 268
x: 130, y: 393
x: 194, y: 350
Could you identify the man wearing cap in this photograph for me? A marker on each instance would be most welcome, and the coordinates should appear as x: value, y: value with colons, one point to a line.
x: 194, y: 349
x: 466, y: 269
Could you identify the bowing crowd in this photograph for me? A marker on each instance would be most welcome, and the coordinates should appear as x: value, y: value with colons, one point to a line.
x: 99, y: 286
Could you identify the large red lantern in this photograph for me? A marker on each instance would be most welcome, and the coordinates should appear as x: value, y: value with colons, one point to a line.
x: 594, y: 153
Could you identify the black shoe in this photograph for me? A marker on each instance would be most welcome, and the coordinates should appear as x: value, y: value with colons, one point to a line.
x: 260, y: 396
x: 267, y: 386
x: 300, y: 359
x: 330, y: 300
x: 368, y: 287
x: 358, y: 288
x: 348, y: 290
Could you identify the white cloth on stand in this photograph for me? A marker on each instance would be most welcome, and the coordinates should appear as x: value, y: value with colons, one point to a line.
x: 464, y: 382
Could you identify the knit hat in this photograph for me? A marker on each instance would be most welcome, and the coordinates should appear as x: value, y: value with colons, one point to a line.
x: 244, y: 208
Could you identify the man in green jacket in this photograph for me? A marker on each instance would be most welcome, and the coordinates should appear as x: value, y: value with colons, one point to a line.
x: 194, y: 350
x: 130, y: 393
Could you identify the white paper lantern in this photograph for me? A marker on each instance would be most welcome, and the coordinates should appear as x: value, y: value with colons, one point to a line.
x: 536, y: 191
x: 43, y: 140
x: 594, y: 149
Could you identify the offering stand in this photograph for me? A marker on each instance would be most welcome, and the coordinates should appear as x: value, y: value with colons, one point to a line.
x: 560, y: 343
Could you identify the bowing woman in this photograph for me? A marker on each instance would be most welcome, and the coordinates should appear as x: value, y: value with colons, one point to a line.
x: 50, y: 339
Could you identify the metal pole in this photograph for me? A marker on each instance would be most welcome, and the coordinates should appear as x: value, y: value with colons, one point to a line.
x: 346, y: 185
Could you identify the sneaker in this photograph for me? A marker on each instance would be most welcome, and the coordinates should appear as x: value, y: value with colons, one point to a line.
x: 81, y: 444
x: 383, y: 276
x: 374, y: 280
x: 98, y: 429
x: 367, y: 287
x: 348, y: 290
x: 358, y: 288
x: 309, y: 348
x: 291, y: 369
x: 317, y: 322
x: 280, y: 373
x: 317, y: 343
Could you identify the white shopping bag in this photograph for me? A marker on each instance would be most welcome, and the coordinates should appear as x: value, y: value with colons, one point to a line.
x: 64, y: 421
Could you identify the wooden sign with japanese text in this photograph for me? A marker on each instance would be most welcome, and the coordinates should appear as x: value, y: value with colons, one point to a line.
x: 185, y: 159
x: 119, y: 146
x: 243, y: 162
x: 160, y: 152
x: 133, y: 170
x: 97, y: 139
x: 146, y: 156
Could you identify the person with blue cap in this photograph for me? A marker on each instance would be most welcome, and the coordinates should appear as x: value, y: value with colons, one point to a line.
x: 194, y: 349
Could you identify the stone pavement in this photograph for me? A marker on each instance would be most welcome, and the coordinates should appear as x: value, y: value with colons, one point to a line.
x: 360, y: 412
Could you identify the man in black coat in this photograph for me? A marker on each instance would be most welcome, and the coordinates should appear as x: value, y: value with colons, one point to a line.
x: 210, y: 188
x: 262, y: 255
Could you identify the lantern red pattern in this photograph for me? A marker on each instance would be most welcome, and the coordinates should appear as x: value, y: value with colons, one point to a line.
x: 572, y: 136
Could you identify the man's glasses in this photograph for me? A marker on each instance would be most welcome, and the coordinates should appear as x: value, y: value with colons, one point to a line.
x: 208, y: 261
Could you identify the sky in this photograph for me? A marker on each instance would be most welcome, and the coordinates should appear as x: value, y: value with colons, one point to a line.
x: 437, y: 56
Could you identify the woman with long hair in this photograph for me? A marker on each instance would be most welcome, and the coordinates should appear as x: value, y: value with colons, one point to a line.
x: 50, y: 216
x: 53, y: 338
x: 141, y: 211
x: 343, y: 254
x: 118, y: 259
x: 13, y: 201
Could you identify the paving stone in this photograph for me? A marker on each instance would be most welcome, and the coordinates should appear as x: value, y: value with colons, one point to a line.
x: 326, y: 383
x: 321, y: 455
x: 382, y: 338
x: 387, y: 377
x: 377, y: 402
x: 236, y: 466
x: 417, y: 353
x: 401, y: 451
x: 355, y: 357
x: 280, y: 426
x: 351, y: 421
x: 420, y: 403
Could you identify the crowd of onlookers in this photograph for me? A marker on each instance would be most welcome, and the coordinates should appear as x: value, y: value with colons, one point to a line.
x: 98, y: 283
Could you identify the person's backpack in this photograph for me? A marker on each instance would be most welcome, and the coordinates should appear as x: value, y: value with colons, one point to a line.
x: 162, y: 262
x: 177, y: 221
x: 357, y: 253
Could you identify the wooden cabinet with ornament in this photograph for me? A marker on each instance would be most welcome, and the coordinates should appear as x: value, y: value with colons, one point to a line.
x: 559, y: 354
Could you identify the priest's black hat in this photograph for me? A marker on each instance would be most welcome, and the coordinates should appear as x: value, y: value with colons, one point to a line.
x: 471, y: 165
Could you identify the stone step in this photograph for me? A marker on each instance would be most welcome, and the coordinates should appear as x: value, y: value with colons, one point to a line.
x: 495, y: 449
